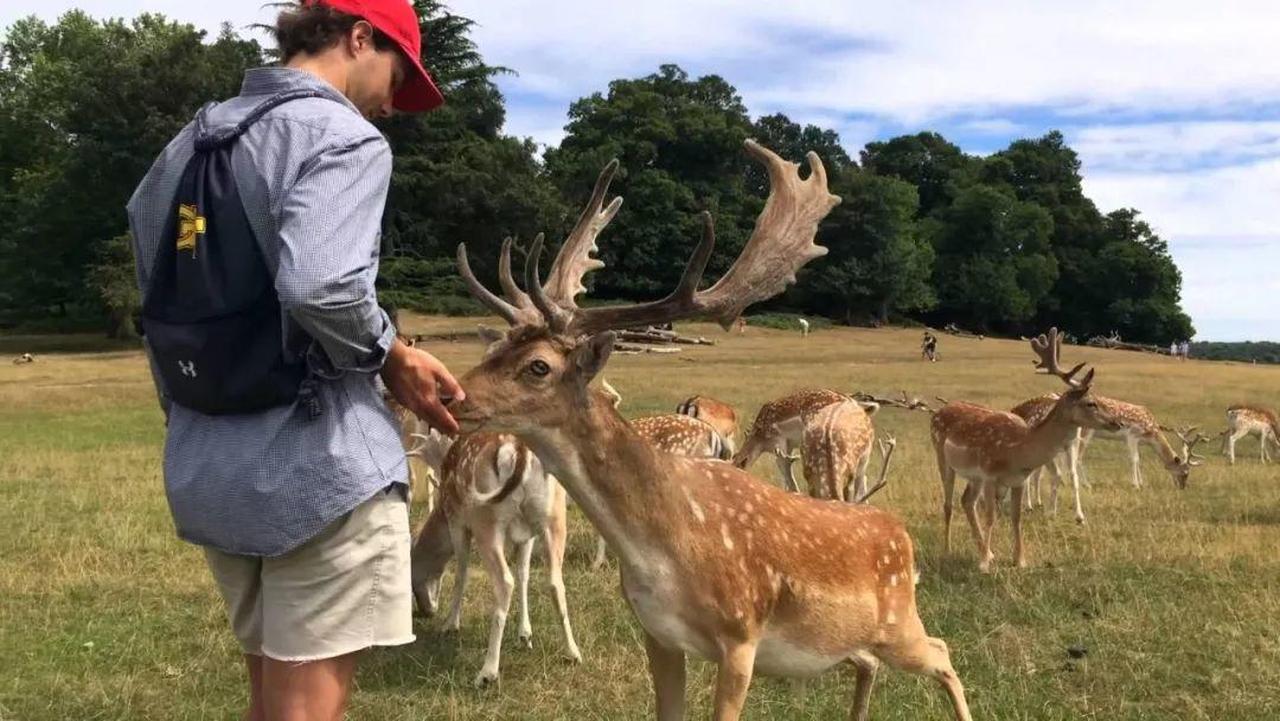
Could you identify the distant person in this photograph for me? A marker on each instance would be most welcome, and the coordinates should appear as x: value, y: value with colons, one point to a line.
x: 1173, y: 349
x: 929, y: 347
x: 804, y: 328
x: 281, y: 459
x: 1186, y: 350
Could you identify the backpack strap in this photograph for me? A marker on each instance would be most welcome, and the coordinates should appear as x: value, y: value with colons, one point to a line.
x: 207, y: 139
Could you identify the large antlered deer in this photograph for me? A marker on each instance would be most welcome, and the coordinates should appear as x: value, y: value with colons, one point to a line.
x: 713, y: 561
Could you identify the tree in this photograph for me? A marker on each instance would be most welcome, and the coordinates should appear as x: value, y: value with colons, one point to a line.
x: 456, y: 176
x: 115, y: 281
x: 994, y: 259
x: 877, y: 262
x: 928, y: 161
x: 679, y: 142
x: 85, y: 107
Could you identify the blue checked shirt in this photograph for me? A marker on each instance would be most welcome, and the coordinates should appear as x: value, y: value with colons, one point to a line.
x: 312, y: 175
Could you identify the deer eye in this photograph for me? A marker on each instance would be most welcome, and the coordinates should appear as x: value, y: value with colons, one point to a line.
x: 539, y: 368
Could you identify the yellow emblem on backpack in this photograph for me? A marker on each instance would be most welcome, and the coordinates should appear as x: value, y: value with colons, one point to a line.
x: 190, y: 224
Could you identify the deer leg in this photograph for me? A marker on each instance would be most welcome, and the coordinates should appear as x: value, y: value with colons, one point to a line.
x: 556, y: 534
x: 1231, y: 445
x: 495, y: 561
x: 929, y: 656
x: 1135, y: 460
x: 733, y: 679
x: 948, y: 495
x: 866, y: 666
x: 1082, y: 441
x: 602, y: 554
x: 1074, y: 468
x: 524, y: 556
x: 1015, y: 520
x: 666, y: 668
x: 782, y: 456
x: 1262, y: 442
x: 969, y: 501
x: 860, y: 477
x: 1055, y: 483
x: 1033, y: 488
x: 461, y: 538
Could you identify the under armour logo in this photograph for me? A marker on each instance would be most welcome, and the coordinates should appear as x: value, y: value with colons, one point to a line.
x: 188, y: 368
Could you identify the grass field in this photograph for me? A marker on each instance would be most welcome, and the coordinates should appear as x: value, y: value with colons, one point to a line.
x: 104, y: 614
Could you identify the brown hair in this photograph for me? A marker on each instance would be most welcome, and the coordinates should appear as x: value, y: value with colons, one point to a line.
x: 312, y: 29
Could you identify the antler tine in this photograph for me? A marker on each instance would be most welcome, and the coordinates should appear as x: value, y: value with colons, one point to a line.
x: 782, y: 242
x: 509, y: 313
x: 677, y: 304
x: 574, y: 261
x: 509, y: 288
x: 557, y: 318
x: 1047, y: 347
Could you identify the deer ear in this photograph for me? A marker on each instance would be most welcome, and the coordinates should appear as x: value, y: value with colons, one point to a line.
x: 589, y: 357
x: 490, y: 335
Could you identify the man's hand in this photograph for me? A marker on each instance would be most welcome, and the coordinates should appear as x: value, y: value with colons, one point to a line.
x: 421, y: 383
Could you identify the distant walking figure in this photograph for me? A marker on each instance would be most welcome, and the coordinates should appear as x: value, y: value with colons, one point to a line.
x: 929, y: 347
x: 1173, y: 349
x: 804, y: 328
x: 1186, y: 350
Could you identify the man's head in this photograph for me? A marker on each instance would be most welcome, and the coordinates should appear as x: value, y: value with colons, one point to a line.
x: 368, y: 49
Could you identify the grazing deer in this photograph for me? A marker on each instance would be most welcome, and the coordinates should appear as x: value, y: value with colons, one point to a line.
x: 994, y: 450
x: 713, y: 561
x: 766, y: 435
x: 24, y: 358
x: 1138, y: 426
x: 835, y: 449
x: 804, y: 328
x: 717, y: 414
x: 1245, y: 419
x: 495, y: 490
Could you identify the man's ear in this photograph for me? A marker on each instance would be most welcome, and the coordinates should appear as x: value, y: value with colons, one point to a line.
x: 589, y: 357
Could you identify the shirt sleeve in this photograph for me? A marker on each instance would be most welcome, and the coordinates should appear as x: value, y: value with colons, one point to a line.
x: 329, y: 227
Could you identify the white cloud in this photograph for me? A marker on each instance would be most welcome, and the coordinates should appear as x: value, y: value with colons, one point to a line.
x: 1220, y: 224
x: 1177, y: 145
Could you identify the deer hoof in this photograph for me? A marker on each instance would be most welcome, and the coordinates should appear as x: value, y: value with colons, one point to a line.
x: 485, y: 678
x: 526, y: 640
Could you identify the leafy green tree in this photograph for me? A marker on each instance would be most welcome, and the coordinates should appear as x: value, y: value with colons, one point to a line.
x: 115, y: 281
x: 878, y: 262
x: 928, y: 161
x: 679, y: 142
x: 994, y: 259
x: 85, y: 107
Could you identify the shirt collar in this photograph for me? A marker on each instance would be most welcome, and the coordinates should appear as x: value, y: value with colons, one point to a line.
x: 274, y: 79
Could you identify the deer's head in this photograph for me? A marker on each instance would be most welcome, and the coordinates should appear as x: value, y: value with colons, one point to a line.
x: 537, y: 374
x: 1078, y: 405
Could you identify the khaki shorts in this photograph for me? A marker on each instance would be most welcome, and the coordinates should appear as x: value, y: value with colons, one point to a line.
x: 344, y: 590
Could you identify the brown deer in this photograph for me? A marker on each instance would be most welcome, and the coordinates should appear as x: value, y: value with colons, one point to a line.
x: 494, y: 490
x: 835, y: 449
x: 771, y: 432
x: 718, y: 414
x: 670, y: 433
x: 713, y: 561
x: 995, y: 450
x: 1245, y: 419
x: 1139, y: 426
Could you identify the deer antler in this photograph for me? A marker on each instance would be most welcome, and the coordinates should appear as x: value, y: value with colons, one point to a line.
x: 572, y: 263
x: 1189, y: 443
x: 907, y: 402
x: 887, y: 446
x: 780, y: 245
x: 1047, y: 348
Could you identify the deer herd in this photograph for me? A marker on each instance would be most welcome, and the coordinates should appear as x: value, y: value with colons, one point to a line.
x: 714, y: 561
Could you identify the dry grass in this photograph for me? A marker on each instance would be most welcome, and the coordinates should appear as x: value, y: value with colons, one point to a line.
x: 105, y: 615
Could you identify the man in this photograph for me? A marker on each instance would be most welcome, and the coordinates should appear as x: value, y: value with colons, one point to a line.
x: 301, y: 507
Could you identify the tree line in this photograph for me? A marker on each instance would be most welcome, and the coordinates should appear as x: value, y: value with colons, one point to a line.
x: 1006, y: 243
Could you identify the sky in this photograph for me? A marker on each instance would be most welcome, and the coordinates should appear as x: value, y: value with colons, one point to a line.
x: 1173, y: 106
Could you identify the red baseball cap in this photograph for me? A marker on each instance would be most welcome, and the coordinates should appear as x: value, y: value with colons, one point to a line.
x: 399, y: 21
